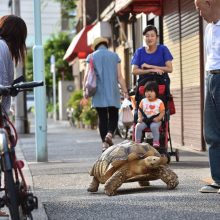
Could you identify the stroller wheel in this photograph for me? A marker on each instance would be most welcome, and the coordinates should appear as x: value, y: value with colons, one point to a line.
x: 177, y: 155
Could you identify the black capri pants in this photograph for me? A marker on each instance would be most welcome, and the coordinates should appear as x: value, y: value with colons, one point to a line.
x: 108, y: 120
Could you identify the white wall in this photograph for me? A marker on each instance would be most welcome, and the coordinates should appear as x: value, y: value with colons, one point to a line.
x: 65, y: 89
x: 50, y: 17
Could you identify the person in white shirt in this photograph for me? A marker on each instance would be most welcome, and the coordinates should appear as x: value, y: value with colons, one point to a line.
x: 210, y: 11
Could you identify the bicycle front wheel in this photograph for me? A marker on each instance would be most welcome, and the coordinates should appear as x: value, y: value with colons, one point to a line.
x: 11, y: 195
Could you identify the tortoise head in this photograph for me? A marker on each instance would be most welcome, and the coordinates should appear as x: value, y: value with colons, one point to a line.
x: 152, y: 161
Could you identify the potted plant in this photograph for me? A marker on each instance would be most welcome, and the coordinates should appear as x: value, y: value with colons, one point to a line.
x: 89, y: 116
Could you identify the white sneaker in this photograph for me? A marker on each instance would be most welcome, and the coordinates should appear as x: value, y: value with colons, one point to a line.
x: 212, y: 188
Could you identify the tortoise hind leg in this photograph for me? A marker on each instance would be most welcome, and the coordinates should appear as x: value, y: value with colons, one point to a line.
x: 93, y: 186
x: 115, y: 181
x: 169, y: 177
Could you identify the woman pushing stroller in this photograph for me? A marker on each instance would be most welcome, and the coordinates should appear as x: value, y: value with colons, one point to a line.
x: 146, y: 62
x: 153, y: 62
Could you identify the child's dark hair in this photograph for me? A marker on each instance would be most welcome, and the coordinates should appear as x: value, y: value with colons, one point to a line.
x: 152, y: 86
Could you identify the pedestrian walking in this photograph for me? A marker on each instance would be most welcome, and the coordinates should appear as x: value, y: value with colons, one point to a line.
x: 106, y: 99
x: 210, y: 11
x: 13, y: 33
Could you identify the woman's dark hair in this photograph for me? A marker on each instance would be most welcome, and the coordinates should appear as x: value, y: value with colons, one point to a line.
x: 102, y: 43
x: 152, y: 86
x: 14, y: 31
x: 150, y: 28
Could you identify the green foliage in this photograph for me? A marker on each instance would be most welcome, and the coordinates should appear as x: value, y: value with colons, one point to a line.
x: 68, y: 6
x: 89, y: 115
x: 74, y: 102
x: 82, y: 113
x: 29, y: 66
x: 50, y: 107
x: 76, y: 95
x: 57, y: 46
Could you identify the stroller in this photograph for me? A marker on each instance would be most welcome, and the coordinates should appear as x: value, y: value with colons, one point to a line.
x: 166, y: 97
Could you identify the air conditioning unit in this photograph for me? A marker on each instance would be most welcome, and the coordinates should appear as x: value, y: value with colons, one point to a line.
x: 101, y: 29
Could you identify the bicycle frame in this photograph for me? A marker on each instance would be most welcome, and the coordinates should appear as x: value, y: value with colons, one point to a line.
x: 17, y: 196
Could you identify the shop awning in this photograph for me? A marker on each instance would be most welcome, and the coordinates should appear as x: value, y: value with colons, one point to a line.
x: 138, y: 6
x: 78, y: 47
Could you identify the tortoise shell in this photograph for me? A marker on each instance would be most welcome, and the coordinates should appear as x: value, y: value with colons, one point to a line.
x: 119, y: 154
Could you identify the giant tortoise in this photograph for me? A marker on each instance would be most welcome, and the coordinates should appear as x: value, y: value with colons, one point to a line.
x: 127, y: 162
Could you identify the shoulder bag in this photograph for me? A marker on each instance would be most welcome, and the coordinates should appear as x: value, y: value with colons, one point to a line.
x: 90, y: 85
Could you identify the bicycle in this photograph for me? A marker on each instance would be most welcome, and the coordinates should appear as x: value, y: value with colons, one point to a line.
x: 17, y: 197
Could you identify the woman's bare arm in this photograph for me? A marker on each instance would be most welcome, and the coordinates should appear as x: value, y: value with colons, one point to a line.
x: 122, y: 81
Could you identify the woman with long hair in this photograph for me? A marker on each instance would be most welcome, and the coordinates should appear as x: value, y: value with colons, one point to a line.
x: 13, y: 33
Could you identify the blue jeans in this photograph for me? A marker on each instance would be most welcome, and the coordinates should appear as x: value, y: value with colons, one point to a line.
x: 212, y: 124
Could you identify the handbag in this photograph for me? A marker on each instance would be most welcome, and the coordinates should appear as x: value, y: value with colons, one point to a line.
x: 127, y: 116
x: 90, y: 85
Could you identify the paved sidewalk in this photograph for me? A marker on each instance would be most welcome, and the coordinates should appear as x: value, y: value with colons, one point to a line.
x: 61, y: 183
x: 58, y: 132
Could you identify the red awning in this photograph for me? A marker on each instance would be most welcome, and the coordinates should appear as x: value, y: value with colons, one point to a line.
x: 78, y: 46
x: 138, y: 6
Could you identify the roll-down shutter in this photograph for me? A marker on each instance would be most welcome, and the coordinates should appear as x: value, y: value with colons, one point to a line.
x: 181, y: 36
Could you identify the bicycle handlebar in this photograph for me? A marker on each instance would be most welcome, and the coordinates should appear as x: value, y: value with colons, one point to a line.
x: 14, y: 89
x: 28, y: 85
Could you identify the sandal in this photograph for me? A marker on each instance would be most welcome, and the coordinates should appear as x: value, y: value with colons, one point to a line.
x: 211, y: 188
x: 105, y: 146
x: 108, y: 139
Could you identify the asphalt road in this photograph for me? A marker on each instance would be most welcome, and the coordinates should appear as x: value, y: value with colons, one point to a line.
x: 61, y: 183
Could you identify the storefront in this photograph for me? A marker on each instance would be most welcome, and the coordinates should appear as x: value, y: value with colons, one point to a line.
x: 181, y: 34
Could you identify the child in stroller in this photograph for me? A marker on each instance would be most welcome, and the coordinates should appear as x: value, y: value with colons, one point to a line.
x: 159, y: 85
x: 150, y: 114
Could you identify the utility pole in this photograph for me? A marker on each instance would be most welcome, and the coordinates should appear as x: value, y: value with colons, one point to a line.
x: 21, y: 122
x: 40, y: 92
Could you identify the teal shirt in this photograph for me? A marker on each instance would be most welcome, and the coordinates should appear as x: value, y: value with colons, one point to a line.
x: 105, y: 64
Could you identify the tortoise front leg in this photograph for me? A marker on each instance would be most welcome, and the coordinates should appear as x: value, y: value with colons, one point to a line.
x: 115, y: 181
x: 168, y: 176
x: 93, y: 186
